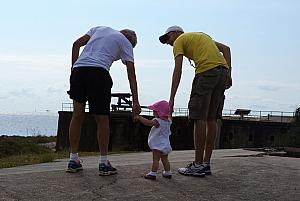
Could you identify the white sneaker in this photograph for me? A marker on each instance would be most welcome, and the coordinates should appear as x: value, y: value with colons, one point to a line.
x: 167, y: 175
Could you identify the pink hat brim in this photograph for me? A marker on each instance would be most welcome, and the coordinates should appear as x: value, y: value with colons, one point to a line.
x: 160, y: 114
x: 151, y: 107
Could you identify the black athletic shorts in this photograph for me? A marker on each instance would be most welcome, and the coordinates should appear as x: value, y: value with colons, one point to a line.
x: 92, y: 84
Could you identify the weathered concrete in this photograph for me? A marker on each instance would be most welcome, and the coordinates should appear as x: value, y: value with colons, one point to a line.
x: 128, y: 136
x: 237, y: 175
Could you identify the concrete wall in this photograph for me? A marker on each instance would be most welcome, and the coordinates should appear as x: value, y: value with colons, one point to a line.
x: 128, y: 136
x: 244, y: 133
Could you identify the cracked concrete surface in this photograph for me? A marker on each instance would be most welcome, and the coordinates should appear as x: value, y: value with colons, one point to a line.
x: 234, y: 178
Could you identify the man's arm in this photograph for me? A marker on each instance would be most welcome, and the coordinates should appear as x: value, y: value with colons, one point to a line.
x: 133, y: 87
x: 175, y: 80
x: 225, y: 51
x: 227, y: 55
x: 76, y: 47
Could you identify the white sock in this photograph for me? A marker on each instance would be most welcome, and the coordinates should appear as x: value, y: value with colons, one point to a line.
x: 74, y: 157
x: 152, y: 173
x: 103, y: 159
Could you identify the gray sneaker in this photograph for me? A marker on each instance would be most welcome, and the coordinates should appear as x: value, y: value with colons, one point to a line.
x: 207, y: 169
x: 192, y: 170
x: 106, y: 170
x: 74, y: 166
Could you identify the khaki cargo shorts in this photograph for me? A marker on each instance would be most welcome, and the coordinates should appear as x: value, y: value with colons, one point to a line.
x: 207, y: 93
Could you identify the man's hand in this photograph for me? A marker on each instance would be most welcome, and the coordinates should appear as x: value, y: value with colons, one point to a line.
x: 228, y: 82
x: 136, y: 109
x: 175, y: 81
x: 171, y: 106
x: 136, y: 118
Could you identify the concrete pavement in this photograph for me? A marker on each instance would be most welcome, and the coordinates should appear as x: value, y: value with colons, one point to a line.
x: 237, y: 175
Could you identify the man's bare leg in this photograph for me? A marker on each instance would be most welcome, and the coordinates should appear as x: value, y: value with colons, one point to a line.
x: 75, y: 125
x: 199, y: 140
x: 210, y: 140
x: 103, y: 132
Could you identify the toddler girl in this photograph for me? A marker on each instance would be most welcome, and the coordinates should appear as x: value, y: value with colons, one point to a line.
x: 158, y: 139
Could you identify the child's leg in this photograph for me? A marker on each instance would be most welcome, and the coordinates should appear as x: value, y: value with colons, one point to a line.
x: 167, y: 172
x: 155, y: 164
x: 165, y: 162
x: 156, y: 157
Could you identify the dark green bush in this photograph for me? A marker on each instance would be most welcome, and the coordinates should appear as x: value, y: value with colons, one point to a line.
x: 42, y: 139
x: 19, y: 145
x: 293, y: 139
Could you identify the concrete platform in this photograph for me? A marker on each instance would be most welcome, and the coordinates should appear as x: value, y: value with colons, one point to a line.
x: 237, y: 175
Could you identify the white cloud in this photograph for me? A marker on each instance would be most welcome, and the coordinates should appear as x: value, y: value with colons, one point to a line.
x: 42, y: 81
x: 263, y: 95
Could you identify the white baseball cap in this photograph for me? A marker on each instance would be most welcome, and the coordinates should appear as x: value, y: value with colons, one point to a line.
x: 163, y: 38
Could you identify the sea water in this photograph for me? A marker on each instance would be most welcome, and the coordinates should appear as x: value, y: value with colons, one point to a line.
x: 28, y: 125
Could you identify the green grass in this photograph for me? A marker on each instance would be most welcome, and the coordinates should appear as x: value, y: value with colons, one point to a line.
x: 17, y: 151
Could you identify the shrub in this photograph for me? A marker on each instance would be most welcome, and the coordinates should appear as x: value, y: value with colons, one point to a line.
x: 293, y: 139
x: 18, y: 146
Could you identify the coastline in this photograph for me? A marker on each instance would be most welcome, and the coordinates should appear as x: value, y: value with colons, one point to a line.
x: 28, y: 124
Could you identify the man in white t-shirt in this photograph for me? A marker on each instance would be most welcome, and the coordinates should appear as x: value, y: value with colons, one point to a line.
x: 90, y: 81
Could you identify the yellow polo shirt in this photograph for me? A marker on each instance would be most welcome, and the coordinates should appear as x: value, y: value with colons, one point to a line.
x: 200, y: 48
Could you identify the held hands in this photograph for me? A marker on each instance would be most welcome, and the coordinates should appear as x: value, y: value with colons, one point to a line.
x: 171, y: 106
x: 136, y: 118
x: 136, y: 109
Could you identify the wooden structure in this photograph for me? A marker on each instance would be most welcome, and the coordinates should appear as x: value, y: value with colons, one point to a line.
x: 123, y: 102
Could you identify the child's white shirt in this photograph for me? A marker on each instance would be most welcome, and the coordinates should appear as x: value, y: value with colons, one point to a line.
x: 159, y: 137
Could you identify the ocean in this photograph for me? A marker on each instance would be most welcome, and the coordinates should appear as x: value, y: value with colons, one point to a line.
x: 28, y: 125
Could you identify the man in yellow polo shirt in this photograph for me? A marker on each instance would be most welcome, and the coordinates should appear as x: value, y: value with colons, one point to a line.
x: 212, y: 76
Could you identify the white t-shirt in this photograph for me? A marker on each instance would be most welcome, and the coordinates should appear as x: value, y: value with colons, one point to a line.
x: 105, y: 46
x: 159, y: 137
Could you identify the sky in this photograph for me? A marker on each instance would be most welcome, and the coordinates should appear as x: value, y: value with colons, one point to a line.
x: 37, y: 36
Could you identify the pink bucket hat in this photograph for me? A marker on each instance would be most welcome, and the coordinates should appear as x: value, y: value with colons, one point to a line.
x: 162, y: 109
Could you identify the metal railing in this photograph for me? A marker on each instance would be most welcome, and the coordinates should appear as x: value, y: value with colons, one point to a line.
x: 68, y: 107
x: 184, y: 112
x: 274, y: 116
